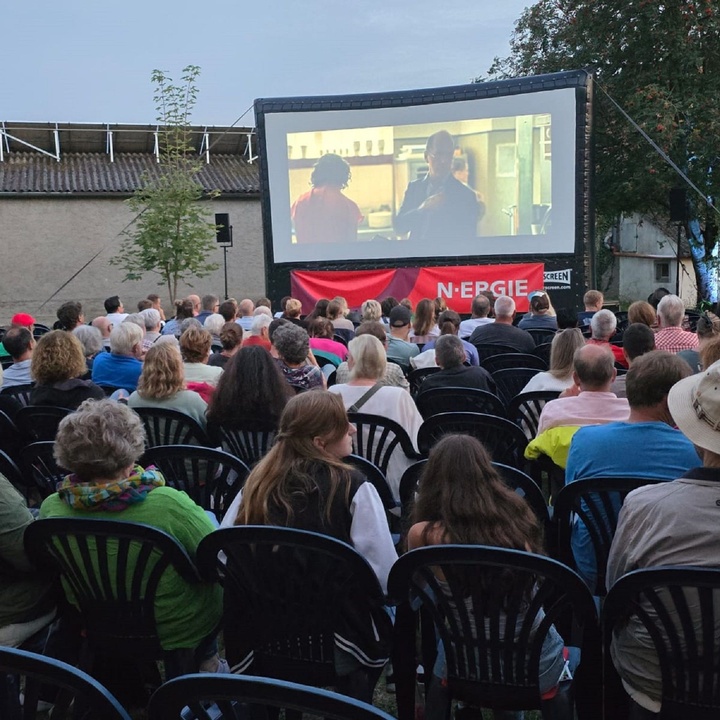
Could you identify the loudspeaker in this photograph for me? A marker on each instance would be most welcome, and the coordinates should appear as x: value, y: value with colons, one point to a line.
x: 678, y: 205
x: 222, y: 234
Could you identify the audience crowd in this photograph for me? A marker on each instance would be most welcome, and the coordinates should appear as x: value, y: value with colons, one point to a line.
x: 622, y: 395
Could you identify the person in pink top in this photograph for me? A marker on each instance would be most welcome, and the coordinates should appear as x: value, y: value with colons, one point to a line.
x: 589, y: 401
x: 321, y: 338
x: 324, y: 214
x: 671, y: 337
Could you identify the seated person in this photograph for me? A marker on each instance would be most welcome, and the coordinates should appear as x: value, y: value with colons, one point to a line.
x: 195, y: 345
x: 19, y: 344
x: 58, y: 367
x: 502, y: 331
x: 321, y: 333
x: 231, y: 338
x: 541, y: 315
x: 603, y: 325
x: 593, y: 301
x: 121, y: 367
x: 99, y: 444
x: 449, y: 324
x: 450, y: 357
x: 292, y: 345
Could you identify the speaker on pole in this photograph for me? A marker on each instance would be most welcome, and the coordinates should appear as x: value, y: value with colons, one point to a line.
x: 678, y: 205
x: 222, y: 234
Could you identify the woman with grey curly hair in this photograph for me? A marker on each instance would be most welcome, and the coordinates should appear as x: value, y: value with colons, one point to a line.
x: 99, y: 444
x: 292, y: 345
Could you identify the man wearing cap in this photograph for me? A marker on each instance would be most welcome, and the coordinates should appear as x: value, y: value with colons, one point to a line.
x: 19, y: 320
x: 399, y: 349
x: 673, y: 523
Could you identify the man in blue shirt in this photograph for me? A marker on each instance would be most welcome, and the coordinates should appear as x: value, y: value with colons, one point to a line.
x: 644, y: 446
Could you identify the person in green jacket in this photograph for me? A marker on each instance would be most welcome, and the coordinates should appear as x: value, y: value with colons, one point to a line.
x: 99, y: 444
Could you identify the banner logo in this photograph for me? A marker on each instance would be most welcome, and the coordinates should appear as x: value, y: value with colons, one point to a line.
x: 559, y: 277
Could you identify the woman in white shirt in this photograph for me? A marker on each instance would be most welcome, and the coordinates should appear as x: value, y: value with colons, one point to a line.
x: 560, y: 375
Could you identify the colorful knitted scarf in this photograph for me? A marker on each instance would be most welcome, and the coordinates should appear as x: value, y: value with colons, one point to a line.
x: 113, y: 496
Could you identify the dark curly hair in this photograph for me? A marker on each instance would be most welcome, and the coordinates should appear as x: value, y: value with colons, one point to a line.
x: 331, y: 169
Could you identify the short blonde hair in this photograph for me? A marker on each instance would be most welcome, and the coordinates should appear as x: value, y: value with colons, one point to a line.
x: 195, y: 345
x: 163, y: 374
x: 371, y: 310
x: 293, y: 308
x: 368, y: 356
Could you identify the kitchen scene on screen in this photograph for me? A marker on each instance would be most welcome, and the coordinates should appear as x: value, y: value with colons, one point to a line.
x: 490, y: 177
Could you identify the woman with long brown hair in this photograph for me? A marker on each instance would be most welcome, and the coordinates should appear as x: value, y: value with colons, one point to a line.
x: 303, y: 483
x: 424, y: 327
x: 462, y: 500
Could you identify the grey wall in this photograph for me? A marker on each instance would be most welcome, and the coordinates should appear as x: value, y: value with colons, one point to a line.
x: 44, y: 242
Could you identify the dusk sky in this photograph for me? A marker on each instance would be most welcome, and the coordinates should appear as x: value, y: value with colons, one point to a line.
x: 83, y: 61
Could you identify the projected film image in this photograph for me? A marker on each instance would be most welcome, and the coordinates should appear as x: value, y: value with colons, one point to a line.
x: 424, y: 183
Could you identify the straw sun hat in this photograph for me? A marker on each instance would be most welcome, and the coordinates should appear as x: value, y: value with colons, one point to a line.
x: 695, y: 406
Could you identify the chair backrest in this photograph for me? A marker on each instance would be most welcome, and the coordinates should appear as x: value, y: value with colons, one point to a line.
x: 521, y: 483
x: 212, y: 478
x: 170, y: 427
x: 458, y: 399
x: 37, y: 461
x: 510, y: 382
x: 34, y: 670
x: 678, y: 606
x: 503, y: 439
x: 377, y: 437
x: 40, y: 422
x: 111, y: 570
x: 513, y: 360
x: 10, y: 439
x: 524, y: 410
x: 486, y: 591
x: 376, y: 476
x: 287, y: 593
x: 541, y: 337
x: 543, y: 352
x: 248, y: 445
x: 417, y: 377
x: 485, y: 351
x: 225, y: 697
x: 15, y: 397
x: 326, y: 358
x: 595, y: 503
x: 12, y: 473
x: 343, y: 335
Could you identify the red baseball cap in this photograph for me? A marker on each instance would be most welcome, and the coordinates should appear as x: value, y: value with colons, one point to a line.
x: 22, y: 320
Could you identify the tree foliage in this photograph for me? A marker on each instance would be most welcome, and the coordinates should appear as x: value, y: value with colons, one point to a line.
x: 171, y: 235
x: 660, y: 61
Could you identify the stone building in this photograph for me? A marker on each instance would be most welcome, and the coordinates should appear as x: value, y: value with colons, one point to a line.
x: 62, y: 213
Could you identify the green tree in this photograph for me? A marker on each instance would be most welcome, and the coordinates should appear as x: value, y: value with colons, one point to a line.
x: 171, y: 235
x: 660, y: 60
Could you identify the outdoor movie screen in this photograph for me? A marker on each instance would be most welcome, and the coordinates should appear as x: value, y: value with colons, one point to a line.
x: 492, y: 176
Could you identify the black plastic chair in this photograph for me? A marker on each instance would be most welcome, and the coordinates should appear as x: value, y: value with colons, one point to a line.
x: 541, y: 337
x: 15, y: 397
x: 513, y: 360
x: 170, y: 427
x: 485, y: 351
x: 377, y: 438
x: 543, y: 352
x: 503, y: 440
x: 39, y: 330
x: 92, y: 700
x: 510, y: 382
x: 678, y: 608
x: 40, y: 422
x: 343, y: 335
x: 519, y: 481
x: 212, y: 478
x: 376, y: 476
x: 37, y: 463
x: 458, y: 399
x: 12, y: 473
x: 288, y: 595
x: 10, y: 439
x: 112, y: 569
x: 595, y: 503
x: 487, y: 590
x: 417, y: 377
x: 524, y: 410
x: 248, y: 445
x: 225, y: 697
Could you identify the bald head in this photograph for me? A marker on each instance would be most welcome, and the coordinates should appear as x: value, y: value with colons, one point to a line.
x: 246, y: 307
x: 103, y: 325
x: 594, y: 368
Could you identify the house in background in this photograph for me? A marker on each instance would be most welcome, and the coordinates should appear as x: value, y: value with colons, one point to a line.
x: 62, y: 212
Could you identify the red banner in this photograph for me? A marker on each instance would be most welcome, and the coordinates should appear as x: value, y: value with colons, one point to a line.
x: 458, y: 284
